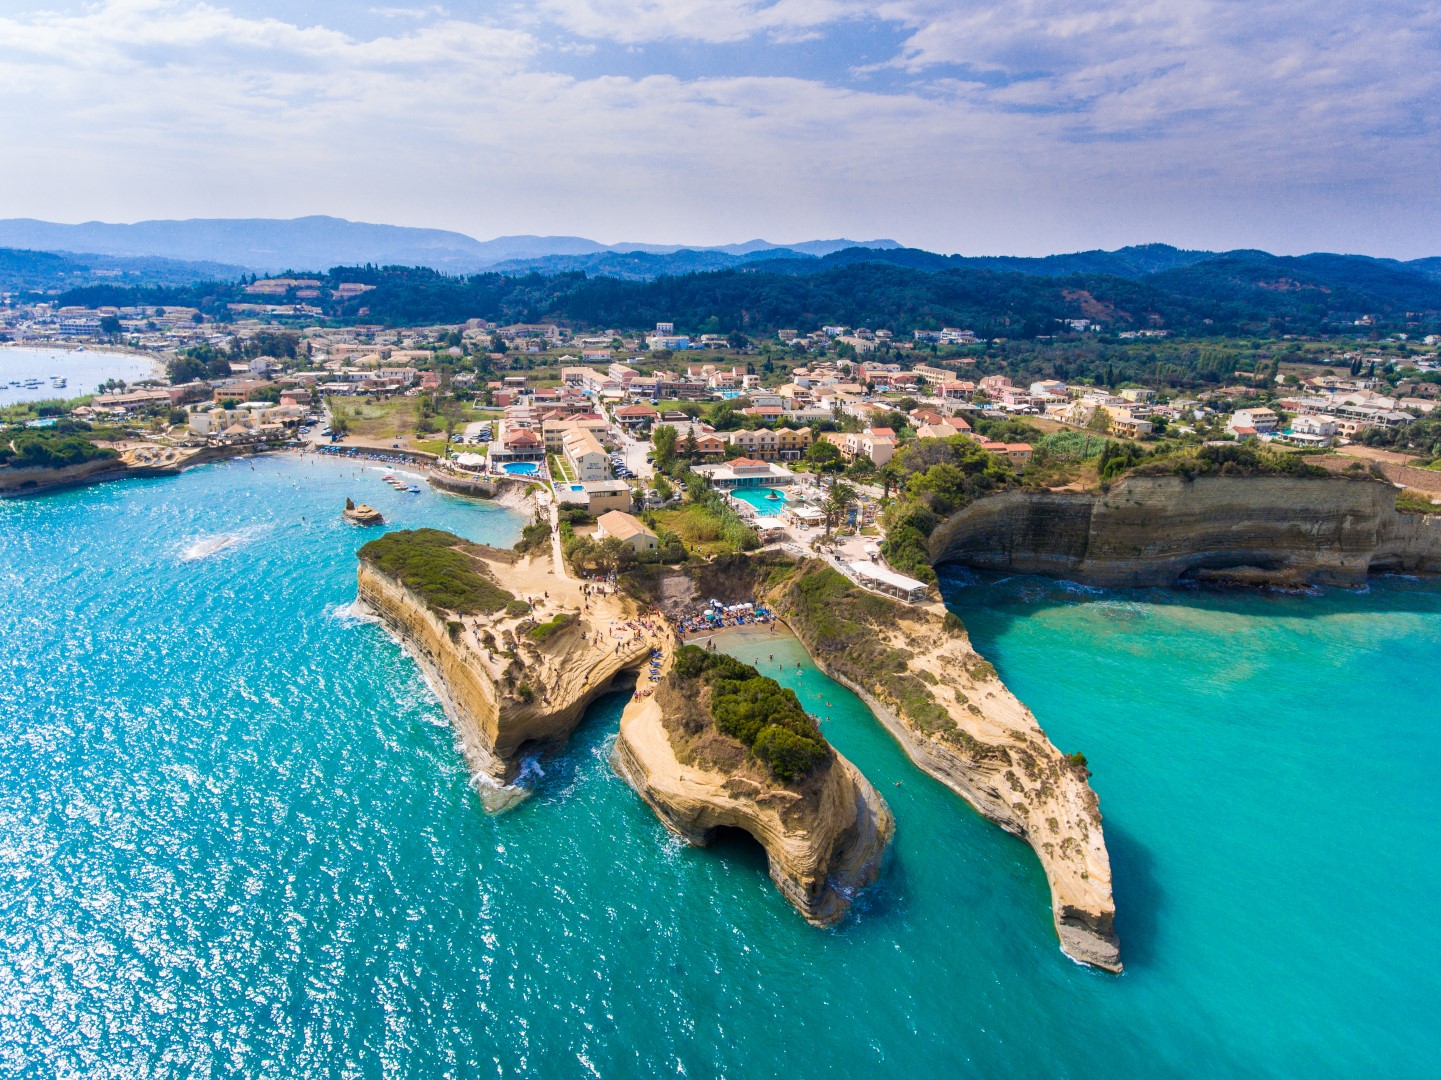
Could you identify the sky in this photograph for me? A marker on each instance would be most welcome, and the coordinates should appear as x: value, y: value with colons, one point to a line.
x: 1026, y: 127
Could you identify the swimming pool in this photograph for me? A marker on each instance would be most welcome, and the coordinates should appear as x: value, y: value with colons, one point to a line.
x: 521, y: 468
x: 768, y: 502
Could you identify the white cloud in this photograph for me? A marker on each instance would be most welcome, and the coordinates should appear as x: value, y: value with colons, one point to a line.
x: 711, y: 21
x: 1041, y: 126
x: 408, y: 12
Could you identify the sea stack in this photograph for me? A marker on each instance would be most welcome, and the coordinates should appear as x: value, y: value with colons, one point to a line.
x: 823, y: 826
x: 362, y: 514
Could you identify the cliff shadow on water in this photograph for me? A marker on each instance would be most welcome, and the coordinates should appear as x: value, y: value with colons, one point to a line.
x: 1159, y: 530
x: 1005, y: 598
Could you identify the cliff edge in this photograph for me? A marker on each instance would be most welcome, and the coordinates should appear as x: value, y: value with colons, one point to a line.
x: 915, y: 668
x: 1157, y: 530
x: 514, y: 652
x: 824, y: 830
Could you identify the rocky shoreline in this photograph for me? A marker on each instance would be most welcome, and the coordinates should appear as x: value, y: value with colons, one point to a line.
x: 498, y: 718
x: 822, y: 843
x: 914, y: 667
x: 1162, y: 530
x: 23, y: 482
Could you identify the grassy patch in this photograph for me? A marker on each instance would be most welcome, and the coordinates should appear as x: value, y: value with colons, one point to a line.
x: 698, y: 529
x: 1412, y: 501
x: 438, y: 568
x: 543, y: 632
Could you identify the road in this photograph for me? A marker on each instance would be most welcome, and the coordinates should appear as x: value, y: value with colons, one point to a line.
x: 635, y: 451
x: 553, y: 512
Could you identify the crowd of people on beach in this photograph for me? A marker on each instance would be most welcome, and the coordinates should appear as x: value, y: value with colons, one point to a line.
x: 360, y: 453
x: 717, y: 616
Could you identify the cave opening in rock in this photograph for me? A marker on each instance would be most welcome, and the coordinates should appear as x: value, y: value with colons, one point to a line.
x: 737, y: 846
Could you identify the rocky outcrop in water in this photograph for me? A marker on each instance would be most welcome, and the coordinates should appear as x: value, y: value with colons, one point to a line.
x: 823, y: 838
x: 1158, y: 530
x: 362, y: 514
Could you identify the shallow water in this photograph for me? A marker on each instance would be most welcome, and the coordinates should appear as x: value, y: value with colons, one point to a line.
x: 237, y: 837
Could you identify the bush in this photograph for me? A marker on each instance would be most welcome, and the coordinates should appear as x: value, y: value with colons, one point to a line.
x: 28, y: 449
x: 543, y: 632
x: 533, y: 537
x: 437, y: 567
x: 1230, y: 459
x: 762, y: 715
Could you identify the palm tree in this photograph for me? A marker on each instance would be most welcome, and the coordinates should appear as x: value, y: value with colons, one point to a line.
x: 838, y: 504
x: 889, y: 476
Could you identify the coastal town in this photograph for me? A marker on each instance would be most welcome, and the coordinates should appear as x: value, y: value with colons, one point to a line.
x: 800, y: 437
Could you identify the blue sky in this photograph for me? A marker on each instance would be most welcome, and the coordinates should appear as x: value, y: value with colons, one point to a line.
x: 1025, y: 127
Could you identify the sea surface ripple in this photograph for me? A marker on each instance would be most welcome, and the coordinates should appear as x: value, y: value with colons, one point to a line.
x: 236, y: 838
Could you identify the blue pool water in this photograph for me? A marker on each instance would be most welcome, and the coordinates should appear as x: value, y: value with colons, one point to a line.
x: 238, y: 839
x: 521, y: 468
x: 760, y: 498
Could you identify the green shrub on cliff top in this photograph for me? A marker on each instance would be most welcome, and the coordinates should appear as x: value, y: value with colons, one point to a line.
x: 1229, y: 459
x: 435, y: 566
x: 764, y: 716
x: 41, y: 449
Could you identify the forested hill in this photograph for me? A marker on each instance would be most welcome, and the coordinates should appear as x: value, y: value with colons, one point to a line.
x: 48, y: 271
x: 1243, y: 293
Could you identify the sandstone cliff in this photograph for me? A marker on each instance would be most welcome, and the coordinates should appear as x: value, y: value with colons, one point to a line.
x: 822, y: 842
x: 33, y: 481
x: 915, y: 668
x: 503, y: 692
x: 1154, y: 531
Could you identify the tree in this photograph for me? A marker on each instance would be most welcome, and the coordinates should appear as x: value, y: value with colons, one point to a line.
x: 890, y: 477
x: 110, y: 325
x: 452, y: 421
x: 838, y: 504
x: 824, y: 455
x: 664, y: 440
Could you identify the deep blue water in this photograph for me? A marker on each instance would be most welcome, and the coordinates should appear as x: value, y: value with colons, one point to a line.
x: 236, y: 837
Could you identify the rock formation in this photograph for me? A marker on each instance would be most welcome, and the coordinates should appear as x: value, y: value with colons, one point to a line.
x: 506, y: 683
x: 1157, y: 530
x: 362, y: 514
x: 824, y: 836
x: 915, y: 668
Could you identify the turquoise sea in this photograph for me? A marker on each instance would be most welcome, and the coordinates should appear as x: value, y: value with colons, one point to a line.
x: 236, y: 838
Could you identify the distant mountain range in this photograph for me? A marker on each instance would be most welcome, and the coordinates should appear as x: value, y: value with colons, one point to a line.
x: 226, y: 248
x: 426, y: 275
x: 267, y: 245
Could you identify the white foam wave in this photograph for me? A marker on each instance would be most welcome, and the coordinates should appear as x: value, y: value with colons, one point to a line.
x: 352, y: 613
x: 206, y: 547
